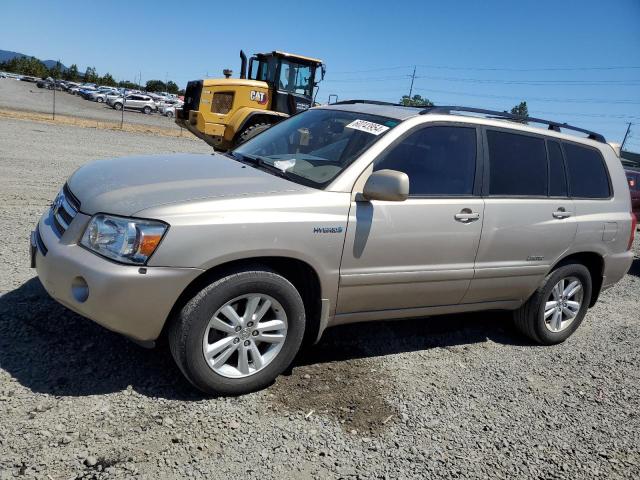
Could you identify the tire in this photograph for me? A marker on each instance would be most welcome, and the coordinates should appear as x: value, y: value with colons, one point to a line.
x: 251, y: 131
x: 190, y: 332
x: 169, y: 114
x: 117, y: 106
x: 530, y: 318
x: 146, y: 110
x: 100, y: 100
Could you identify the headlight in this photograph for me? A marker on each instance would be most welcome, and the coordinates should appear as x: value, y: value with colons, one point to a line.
x: 122, y: 239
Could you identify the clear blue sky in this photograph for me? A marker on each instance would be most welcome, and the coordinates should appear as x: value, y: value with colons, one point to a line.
x: 481, y: 53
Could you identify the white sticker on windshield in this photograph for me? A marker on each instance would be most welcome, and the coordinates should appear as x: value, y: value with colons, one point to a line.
x: 369, y: 127
x: 285, y: 165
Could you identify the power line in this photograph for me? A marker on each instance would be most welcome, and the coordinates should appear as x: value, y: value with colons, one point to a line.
x: 630, y: 82
x: 497, y: 69
x: 537, y: 99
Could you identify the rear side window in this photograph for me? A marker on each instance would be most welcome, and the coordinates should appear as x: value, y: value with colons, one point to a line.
x: 557, y: 174
x: 517, y: 165
x: 437, y: 160
x: 587, y: 173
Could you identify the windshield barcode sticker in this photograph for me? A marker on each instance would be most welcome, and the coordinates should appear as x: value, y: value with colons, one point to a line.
x: 369, y: 127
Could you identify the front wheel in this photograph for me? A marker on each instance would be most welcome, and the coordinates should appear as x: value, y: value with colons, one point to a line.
x: 558, y: 307
x: 147, y: 110
x: 100, y: 100
x: 239, y: 333
x: 117, y: 106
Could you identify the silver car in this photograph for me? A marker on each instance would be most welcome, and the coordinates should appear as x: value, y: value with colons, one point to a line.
x: 135, y: 101
x: 345, y: 213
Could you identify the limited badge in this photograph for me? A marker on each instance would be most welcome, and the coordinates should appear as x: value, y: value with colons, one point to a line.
x: 259, y: 97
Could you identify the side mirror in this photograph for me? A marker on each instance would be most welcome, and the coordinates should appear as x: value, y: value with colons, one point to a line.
x: 388, y: 185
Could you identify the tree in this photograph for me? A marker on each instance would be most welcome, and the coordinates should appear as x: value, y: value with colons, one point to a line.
x: 91, y: 76
x: 107, y: 80
x: 520, y: 109
x: 155, y: 86
x: 128, y: 84
x: 172, y: 87
x: 415, y: 101
x: 27, y: 66
x: 56, y: 70
x: 71, y: 73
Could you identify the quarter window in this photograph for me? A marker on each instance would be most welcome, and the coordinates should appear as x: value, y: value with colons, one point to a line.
x: 438, y: 160
x: 518, y: 164
x: 557, y: 175
x: 587, y: 173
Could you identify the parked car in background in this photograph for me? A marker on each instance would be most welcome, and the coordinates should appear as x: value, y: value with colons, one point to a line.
x: 143, y: 103
x: 168, y: 107
x: 28, y: 78
x: 344, y: 213
x: 631, y: 163
x: 100, y: 95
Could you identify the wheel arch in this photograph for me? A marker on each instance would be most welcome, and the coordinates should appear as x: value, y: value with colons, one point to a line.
x: 300, y: 273
x: 594, y: 263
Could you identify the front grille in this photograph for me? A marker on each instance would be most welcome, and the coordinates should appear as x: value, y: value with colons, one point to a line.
x: 222, y: 102
x: 64, y: 209
x: 192, y: 97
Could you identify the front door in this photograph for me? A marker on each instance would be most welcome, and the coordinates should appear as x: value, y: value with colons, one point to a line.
x: 420, y: 252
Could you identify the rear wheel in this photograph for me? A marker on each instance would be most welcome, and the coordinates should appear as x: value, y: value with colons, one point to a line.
x: 558, y: 307
x: 251, y: 131
x: 239, y: 333
x: 100, y: 100
x: 117, y: 106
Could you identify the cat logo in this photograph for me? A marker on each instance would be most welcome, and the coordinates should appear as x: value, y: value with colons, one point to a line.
x: 260, y: 97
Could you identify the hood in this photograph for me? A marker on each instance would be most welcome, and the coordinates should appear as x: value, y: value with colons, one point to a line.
x: 124, y: 186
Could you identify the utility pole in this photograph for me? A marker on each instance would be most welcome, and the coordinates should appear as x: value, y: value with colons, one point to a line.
x: 413, y: 77
x: 625, y: 136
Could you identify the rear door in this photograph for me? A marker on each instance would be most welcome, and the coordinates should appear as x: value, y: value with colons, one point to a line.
x: 419, y: 252
x: 529, y: 219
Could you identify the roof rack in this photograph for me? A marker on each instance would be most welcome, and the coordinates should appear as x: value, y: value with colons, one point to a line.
x: 368, y: 102
x: 555, y: 126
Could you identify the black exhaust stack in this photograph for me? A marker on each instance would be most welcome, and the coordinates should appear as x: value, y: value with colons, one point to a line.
x: 243, y: 65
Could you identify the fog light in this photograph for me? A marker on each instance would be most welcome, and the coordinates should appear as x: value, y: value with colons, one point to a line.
x: 80, y: 289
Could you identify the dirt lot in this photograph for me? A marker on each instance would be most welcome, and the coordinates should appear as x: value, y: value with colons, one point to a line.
x: 448, y: 397
x: 18, y: 95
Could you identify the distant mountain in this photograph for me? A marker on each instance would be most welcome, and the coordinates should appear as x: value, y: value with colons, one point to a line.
x: 6, y: 55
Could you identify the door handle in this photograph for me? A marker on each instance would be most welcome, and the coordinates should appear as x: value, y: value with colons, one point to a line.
x: 466, y: 216
x: 561, y: 213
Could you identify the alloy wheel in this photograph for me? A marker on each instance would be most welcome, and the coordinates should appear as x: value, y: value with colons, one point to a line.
x: 244, y: 335
x: 563, y: 304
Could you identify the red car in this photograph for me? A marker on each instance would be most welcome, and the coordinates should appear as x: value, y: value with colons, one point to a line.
x: 631, y: 163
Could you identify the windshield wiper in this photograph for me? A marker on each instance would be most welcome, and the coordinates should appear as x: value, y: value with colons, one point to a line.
x: 260, y: 162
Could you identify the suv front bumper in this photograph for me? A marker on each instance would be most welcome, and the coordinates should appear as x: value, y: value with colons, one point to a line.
x: 132, y: 300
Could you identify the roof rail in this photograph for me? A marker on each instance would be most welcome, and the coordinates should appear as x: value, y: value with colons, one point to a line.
x: 555, y: 126
x: 369, y: 102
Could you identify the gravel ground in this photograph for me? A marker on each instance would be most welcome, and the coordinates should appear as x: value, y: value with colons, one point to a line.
x: 26, y: 96
x: 447, y: 397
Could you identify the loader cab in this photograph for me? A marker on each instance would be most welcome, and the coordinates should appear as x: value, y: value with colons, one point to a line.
x: 291, y: 78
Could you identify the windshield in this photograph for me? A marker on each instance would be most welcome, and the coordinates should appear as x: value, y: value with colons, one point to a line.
x: 315, y: 146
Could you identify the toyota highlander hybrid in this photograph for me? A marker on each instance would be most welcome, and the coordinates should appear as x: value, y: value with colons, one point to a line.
x: 352, y: 212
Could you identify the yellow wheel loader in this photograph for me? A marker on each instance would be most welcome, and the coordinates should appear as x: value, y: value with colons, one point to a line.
x: 226, y: 112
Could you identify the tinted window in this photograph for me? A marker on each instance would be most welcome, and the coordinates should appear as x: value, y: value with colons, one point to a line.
x: 438, y: 160
x: 518, y: 164
x: 557, y: 175
x: 587, y: 173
